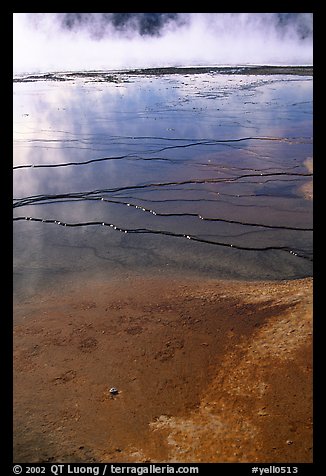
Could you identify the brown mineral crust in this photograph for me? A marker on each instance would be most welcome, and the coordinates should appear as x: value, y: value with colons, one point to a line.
x: 206, y: 371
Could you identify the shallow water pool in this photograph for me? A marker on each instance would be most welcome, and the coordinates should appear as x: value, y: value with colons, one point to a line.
x: 191, y: 174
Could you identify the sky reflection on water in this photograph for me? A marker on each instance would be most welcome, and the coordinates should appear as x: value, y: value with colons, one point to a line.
x: 204, y: 156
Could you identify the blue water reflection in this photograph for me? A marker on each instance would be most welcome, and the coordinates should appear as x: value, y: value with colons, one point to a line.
x: 198, y: 173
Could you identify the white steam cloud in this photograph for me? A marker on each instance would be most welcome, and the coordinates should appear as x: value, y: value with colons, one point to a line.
x: 52, y: 42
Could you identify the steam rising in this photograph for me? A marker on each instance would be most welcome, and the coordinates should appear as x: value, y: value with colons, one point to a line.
x: 105, y: 41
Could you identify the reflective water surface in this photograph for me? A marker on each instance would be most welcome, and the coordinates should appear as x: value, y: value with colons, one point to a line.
x: 198, y: 174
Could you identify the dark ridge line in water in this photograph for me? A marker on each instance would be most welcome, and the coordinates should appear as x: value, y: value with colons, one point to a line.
x: 136, y: 158
x: 209, y: 139
x: 109, y: 158
x: 152, y: 189
x: 201, y: 142
x: 233, y: 195
x: 85, y: 139
x: 102, y: 159
x: 174, y: 139
x: 129, y: 204
x: 158, y: 184
x: 183, y: 214
x: 230, y: 203
x: 151, y: 159
x: 213, y: 141
x: 21, y: 202
x: 166, y: 233
x: 222, y: 167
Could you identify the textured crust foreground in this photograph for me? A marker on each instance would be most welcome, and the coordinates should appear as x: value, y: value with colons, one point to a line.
x: 207, y: 371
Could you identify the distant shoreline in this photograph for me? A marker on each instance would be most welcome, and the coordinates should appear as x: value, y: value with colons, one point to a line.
x: 261, y: 69
x: 167, y: 70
